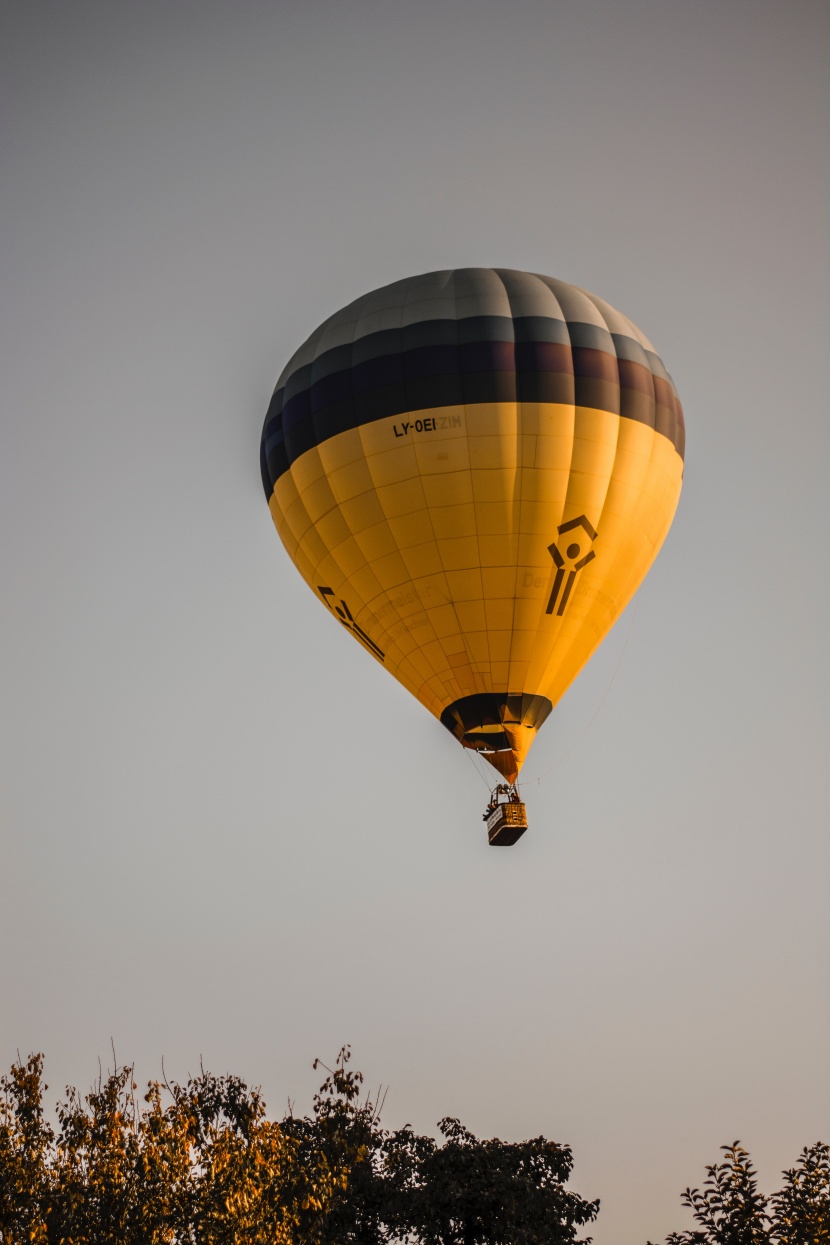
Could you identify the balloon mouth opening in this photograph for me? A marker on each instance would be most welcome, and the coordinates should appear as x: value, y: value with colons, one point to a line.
x: 488, y: 740
x: 495, y: 721
x: 499, y: 726
x: 506, y: 761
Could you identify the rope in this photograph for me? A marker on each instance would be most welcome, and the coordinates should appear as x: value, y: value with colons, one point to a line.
x: 472, y: 756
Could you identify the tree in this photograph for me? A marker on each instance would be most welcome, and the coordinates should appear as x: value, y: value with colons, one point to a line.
x: 201, y: 1164
x: 401, y: 1186
x: 480, y: 1192
x: 341, y: 1142
x: 26, y: 1154
x: 731, y: 1211
x: 801, y: 1210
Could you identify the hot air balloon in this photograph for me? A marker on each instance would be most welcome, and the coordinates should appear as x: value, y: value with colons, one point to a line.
x: 473, y: 470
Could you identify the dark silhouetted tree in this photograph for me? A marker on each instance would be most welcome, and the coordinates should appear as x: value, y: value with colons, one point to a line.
x: 801, y: 1210
x: 201, y: 1164
x: 730, y: 1210
x: 480, y: 1192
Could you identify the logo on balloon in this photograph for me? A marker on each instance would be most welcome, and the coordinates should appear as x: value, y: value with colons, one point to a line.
x: 344, y: 615
x: 570, y: 554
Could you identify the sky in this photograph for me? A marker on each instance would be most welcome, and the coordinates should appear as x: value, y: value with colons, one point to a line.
x: 226, y: 833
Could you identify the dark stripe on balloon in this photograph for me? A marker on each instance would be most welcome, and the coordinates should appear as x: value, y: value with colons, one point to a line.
x: 440, y: 363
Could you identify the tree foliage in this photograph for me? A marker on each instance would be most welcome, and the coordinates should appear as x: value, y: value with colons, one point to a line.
x: 201, y: 1164
x: 198, y: 1162
x: 730, y: 1210
x: 472, y: 1192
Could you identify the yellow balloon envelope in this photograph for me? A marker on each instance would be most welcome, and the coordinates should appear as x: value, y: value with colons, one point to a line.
x: 473, y: 470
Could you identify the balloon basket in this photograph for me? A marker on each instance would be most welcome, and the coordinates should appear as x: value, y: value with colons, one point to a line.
x: 505, y: 817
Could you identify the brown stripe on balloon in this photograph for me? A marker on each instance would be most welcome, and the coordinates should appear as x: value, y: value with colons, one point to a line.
x: 636, y: 377
x: 442, y: 363
x: 680, y: 432
x: 664, y: 393
x: 546, y: 387
x: 600, y: 395
x: 636, y: 392
x: 544, y: 357
x: 595, y: 365
x: 636, y: 405
x: 664, y: 421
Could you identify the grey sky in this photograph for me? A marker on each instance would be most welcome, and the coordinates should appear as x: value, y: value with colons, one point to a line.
x: 224, y: 831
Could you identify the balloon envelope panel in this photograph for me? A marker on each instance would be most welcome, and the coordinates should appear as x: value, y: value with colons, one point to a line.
x: 473, y: 470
